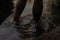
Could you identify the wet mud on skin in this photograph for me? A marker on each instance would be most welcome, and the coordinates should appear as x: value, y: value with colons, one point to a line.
x: 8, y: 32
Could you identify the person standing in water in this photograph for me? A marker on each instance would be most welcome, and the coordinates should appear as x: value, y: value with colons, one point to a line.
x: 36, y: 11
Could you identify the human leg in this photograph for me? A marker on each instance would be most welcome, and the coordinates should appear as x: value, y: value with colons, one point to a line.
x: 37, y: 11
x: 19, y: 9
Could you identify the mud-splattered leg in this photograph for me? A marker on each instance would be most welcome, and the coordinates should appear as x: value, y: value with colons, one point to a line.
x: 37, y: 11
x: 19, y: 9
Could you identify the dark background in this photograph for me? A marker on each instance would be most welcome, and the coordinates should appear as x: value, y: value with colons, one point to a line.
x: 5, y: 9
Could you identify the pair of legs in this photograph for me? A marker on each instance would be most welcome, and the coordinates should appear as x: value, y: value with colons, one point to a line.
x: 37, y: 10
